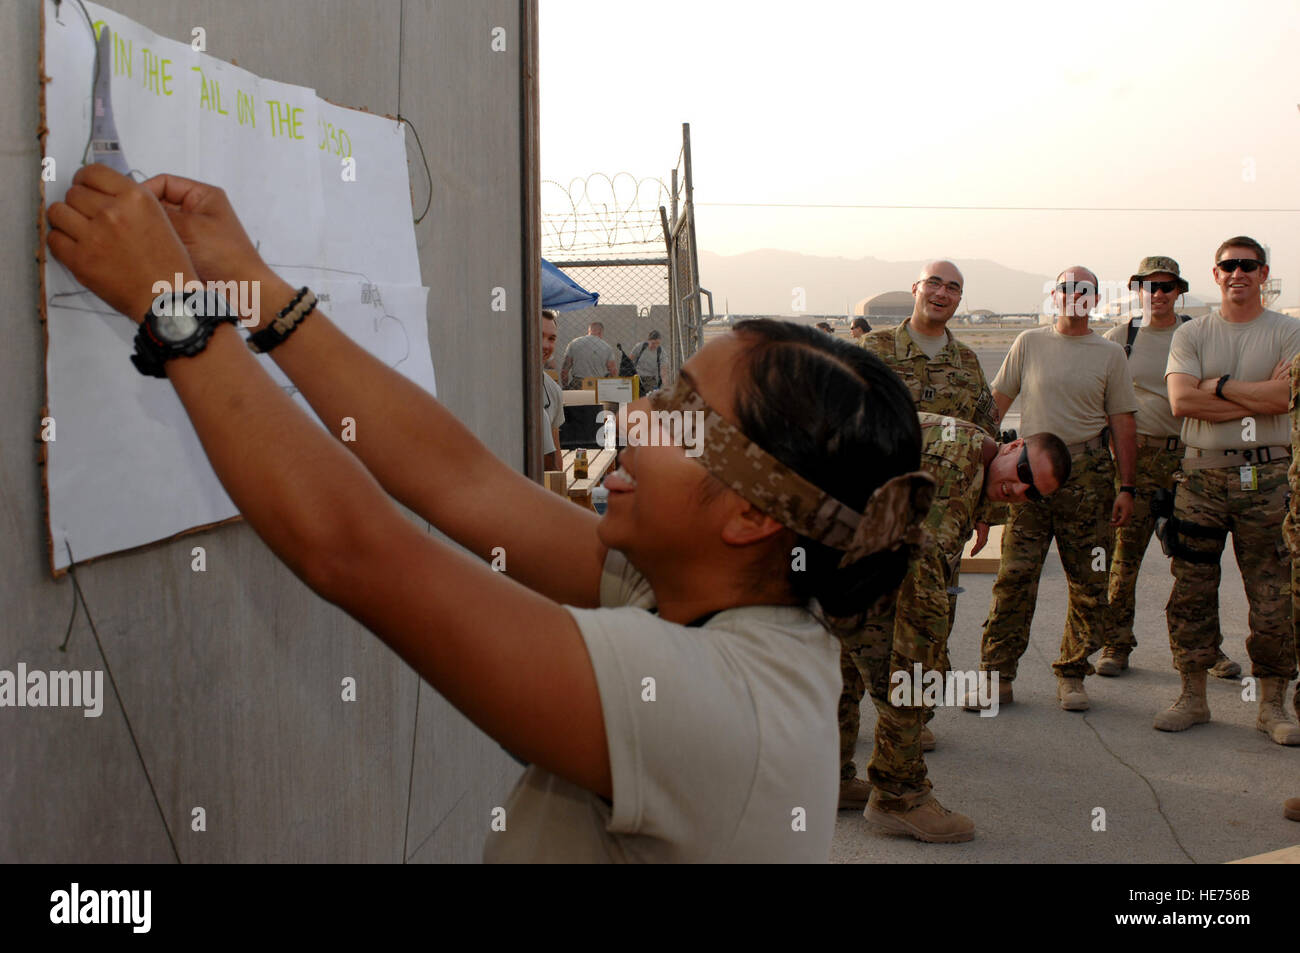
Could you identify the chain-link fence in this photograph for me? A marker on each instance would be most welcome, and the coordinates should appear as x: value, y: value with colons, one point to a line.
x: 634, y: 302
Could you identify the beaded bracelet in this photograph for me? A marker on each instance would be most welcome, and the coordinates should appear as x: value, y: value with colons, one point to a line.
x: 284, y: 323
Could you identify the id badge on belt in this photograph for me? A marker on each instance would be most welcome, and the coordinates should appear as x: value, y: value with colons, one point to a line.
x: 1248, y: 480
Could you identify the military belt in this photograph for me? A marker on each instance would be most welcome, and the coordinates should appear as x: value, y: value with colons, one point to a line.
x: 1198, y: 459
x: 1164, y: 443
x: 1096, y: 443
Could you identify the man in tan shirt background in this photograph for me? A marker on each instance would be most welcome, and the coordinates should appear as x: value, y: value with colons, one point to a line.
x: 1075, y: 384
x: 1228, y: 377
x: 1159, y: 449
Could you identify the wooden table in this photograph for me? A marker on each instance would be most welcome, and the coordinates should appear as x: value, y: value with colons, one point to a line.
x: 990, y: 557
x: 598, y: 463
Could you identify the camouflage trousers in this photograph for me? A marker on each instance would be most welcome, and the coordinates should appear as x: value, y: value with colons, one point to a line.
x: 1078, y: 516
x: 915, y: 630
x: 1155, y: 471
x: 1295, y: 614
x: 1215, y: 498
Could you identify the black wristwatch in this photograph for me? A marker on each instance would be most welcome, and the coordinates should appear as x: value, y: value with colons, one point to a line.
x: 1218, y: 388
x: 177, y: 325
x: 1130, y: 490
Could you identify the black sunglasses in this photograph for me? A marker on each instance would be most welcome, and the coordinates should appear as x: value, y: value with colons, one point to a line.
x: 1027, y: 475
x: 1068, y: 288
x: 1165, y: 286
x: 1248, y: 265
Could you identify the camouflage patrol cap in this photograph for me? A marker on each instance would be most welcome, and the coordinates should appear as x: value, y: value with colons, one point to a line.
x: 1157, y: 263
x: 892, y: 518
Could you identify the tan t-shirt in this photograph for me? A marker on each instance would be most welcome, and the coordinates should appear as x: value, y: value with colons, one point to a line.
x: 1211, y: 347
x: 1070, y: 385
x: 930, y: 346
x: 591, y: 356
x: 1147, y: 365
x: 735, y: 760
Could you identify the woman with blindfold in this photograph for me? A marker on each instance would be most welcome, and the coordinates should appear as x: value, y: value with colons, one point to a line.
x: 668, y: 671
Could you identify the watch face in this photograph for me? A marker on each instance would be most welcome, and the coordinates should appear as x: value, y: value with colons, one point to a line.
x: 174, y: 321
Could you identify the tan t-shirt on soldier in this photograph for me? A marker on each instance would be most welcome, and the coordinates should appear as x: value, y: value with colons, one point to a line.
x: 1071, y: 384
x: 1211, y: 347
x: 1147, y: 365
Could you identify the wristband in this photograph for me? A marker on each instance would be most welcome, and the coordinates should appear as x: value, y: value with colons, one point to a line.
x: 1218, y: 389
x: 284, y: 323
x: 1130, y: 490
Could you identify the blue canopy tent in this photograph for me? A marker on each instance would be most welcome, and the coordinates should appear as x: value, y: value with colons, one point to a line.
x: 562, y: 293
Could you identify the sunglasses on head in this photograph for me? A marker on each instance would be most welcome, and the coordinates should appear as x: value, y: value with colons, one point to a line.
x: 1026, y: 475
x: 1068, y: 288
x: 1166, y: 286
x: 1248, y: 265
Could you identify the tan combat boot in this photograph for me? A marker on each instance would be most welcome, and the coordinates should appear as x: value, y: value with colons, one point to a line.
x: 1005, y: 696
x: 1272, y: 718
x: 927, y: 821
x: 854, y: 794
x: 1070, y: 693
x: 1225, y: 667
x: 927, y: 739
x: 1292, y: 809
x: 1191, y: 708
x: 1113, y: 661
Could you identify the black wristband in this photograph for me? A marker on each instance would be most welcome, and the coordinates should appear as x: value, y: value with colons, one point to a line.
x: 1130, y: 490
x: 284, y: 323
x: 1218, y: 388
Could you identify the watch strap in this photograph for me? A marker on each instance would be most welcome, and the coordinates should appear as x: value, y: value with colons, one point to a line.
x: 151, y: 355
x: 1130, y: 490
x: 1218, y: 388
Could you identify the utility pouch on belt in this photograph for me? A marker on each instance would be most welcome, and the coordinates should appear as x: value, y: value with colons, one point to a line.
x: 1172, y: 532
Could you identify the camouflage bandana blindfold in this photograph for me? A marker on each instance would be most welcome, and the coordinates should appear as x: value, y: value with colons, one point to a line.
x: 892, y: 517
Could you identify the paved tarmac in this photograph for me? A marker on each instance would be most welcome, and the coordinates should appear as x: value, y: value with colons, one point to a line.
x: 1033, y: 776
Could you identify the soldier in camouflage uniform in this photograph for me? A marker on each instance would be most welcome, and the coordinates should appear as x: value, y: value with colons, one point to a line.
x: 1291, y: 525
x: 970, y: 471
x: 1227, y: 378
x: 1291, y: 532
x: 1075, y: 384
x: 1159, y: 450
x: 943, y: 375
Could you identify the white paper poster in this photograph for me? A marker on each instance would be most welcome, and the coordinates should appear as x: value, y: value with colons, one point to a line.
x: 322, y: 190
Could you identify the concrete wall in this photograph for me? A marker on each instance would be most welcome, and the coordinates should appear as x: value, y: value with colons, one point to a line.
x: 223, y: 688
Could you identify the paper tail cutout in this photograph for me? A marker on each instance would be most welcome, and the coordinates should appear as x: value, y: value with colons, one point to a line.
x: 105, y: 146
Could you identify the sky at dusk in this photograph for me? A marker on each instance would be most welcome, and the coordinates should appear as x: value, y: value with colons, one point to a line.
x: 1039, y: 134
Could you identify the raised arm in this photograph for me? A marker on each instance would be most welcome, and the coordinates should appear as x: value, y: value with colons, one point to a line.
x: 417, y: 450
x: 513, y: 661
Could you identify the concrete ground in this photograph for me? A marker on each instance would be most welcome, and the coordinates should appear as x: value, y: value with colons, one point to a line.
x: 1033, y: 776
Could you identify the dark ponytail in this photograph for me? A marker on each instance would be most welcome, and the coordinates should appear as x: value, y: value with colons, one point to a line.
x: 836, y: 415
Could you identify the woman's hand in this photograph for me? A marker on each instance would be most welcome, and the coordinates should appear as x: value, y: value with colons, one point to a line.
x: 202, y: 216
x: 116, y: 240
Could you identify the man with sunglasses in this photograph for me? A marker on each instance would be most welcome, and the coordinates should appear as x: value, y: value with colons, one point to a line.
x: 1075, y: 384
x: 1159, y: 449
x: 971, y: 472
x: 1227, y: 376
